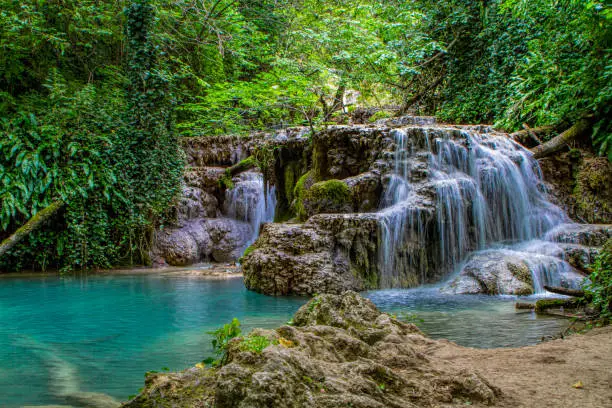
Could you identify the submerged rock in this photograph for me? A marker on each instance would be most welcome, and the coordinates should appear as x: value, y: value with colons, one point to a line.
x: 341, y: 351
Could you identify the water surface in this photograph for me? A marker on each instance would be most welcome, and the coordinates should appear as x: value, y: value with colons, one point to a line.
x: 102, y: 333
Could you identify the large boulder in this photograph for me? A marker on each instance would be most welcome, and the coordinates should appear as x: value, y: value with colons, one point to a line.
x: 215, y: 239
x: 493, y: 273
x: 183, y: 246
x: 340, y: 352
x: 229, y: 238
x: 511, y: 272
x: 328, y: 254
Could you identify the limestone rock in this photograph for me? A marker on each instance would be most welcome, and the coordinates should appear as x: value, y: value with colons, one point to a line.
x: 341, y: 351
x: 328, y: 254
x: 366, y: 190
x: 183, y: 246
x: 512, y: 272
x: 493, y: 273
x: 196, y: 203
x: 592, y: 235
x: 580, y: 256
x: 228, y: 238
x: 580, y: 182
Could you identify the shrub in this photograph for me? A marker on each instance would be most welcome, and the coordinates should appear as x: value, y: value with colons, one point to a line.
x: 600, y: 286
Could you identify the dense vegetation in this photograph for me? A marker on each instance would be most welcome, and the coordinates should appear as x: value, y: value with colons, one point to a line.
x: 94, y: 95
x: 599, y: 289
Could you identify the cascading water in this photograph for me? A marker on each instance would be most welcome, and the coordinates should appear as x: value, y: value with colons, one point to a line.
x: 480, y: 189
x: 252, y: 201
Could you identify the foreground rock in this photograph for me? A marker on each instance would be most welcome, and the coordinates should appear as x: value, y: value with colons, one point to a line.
x: 340, y: 351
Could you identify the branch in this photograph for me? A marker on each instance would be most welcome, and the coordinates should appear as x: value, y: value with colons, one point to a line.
x: 421, y: 94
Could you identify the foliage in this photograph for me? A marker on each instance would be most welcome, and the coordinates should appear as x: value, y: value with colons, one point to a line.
x: 254, y: 343
x: 600, y: 282
x: 222, y: 338
x: 97, y: 137
x: 516, y: 61
x: 223, y: 335
x: 411, y: 318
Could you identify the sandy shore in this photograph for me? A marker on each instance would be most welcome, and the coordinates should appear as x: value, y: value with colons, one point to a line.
x: 546, y: 375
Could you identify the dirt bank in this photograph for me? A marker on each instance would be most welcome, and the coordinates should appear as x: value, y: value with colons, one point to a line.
x: 544, y: 375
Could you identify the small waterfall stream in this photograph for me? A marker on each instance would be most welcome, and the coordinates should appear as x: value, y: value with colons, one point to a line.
x: 252, y: 201
x: 480, y: 189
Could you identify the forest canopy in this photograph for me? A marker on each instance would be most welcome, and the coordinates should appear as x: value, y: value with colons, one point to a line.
x: 94, y: 96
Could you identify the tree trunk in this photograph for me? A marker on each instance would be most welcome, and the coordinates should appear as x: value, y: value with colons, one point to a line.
x: 243, y: 165
x: 32, y: 225
x: 408, y: 104
x: 565, y: 291
x: 559, y: 142
x: 337, y: 102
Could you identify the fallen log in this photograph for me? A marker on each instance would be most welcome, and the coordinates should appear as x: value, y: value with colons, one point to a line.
x: 532, y: 133
x: 565, y: 291
x: 569, y: 292
x: 524, y: 306
x: 243, y: 165
x: 32, y: 225
x: 559, y: 142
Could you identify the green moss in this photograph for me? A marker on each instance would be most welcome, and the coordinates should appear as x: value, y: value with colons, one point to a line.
x: 521, y: 271
x: 319, y: 160
x: 246, y: 253
x: 226, y: 182
x: 315, y: 198
x: 591, y: 192
x: 250, y: 161
x: 298, y: 194
x: 291, y: 176
x: 335, y: 191
x: 544, y: 304
x: 381, y: 114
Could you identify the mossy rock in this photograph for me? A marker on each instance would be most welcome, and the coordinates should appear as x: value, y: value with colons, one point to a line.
x: 324, y: 197
x: 592, y: 190
x: 246, y: 252
x: 521, y: 272
x: 543, y: 305
x: 302, y: 185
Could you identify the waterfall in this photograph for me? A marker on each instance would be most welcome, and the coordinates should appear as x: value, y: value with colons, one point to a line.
x: 252, y: 201
x: 480, y: 189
